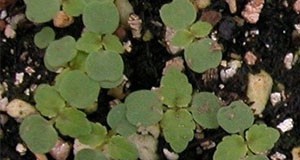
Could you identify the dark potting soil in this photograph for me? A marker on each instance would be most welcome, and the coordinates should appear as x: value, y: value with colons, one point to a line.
x: 144, y: 65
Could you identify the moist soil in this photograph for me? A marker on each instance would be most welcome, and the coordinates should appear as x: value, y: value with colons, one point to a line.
x: 144, y: 65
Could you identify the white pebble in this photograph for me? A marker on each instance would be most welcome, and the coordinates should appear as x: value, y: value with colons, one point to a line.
x: 170, y: 155
x: 278, y: 156
x: 286, y: 125
x: 3, y: 14
x: 275, y: 98
x: 29, y: 70
x: 19, y: 78
x: 19, y: 109
x: 61, y: 150
x: 3, y: 104
x: 21, y: 149
x: 288, y: 60
x: 9, y: 32
x: 297, y: 27
x: 27, y: 92
x: 227, y: 73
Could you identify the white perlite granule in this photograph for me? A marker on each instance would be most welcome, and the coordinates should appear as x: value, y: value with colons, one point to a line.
x: 286, y: 125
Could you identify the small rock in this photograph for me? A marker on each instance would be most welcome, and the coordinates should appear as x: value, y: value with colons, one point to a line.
x: 3, y: 119
x: 259, y: 89
x: 3, y: 14
x: 278, y: 156
x: 286, y: 125
x: 252, y: 10
x: 146, y: 145
x: 296, y: 153
x: 250, y: 58
x: 201, y: 4
x: 230, y: 71
x: 3, y: 104
x: 296, y: 6
x: 135, y: 24
x: 19, y: 77
x: 208, y: 144
x: 232, y: 5
x: 19, y: 109
x: 288, y: 61
x: 275, y: 98
x: 15, y: 20
x: 61, y: 150
x: 170, y: 155
x: 212, y: 17
x: 62, y: 20
x: 21, y: 149
x: 152, y: 130
x: 40, y: 156
x: 77, y: 146
x: 2, y: 25
x: 9, y: 32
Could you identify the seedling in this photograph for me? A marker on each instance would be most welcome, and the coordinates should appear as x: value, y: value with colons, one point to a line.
x: 44, y: 37
x: 36, y: 14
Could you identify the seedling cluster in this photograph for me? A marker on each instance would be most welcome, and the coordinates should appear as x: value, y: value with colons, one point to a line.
x: 93, y: 61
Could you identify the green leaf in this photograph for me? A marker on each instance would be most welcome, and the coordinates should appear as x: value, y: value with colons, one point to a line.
x: 143, y: 108
x: 175, y: 90
x: 182, y: 38
x: 204, y: 109
x: 79, y: 61
x: 261, y: 138
x: 73, y: 123
x: 96, y: 137
x: 201, y: 29
x: 101, y: 17
x: 235, y: 118
x: 44, y: 37
x: 48, y: 101
x: 178, y: 128
x: 111, y: 84
x: 50, y: 68
x: 231, y: 148
x: 104, y: 66
x: 257, y: 157
x: 112, y: 43
x: 89, y: 154
x: 73, y: 7
x: 40, y: 11
x: 200, y: 56
x: 78, y: 89
x: 117, y: 120
x: 89, y: 42
x: 60, y: 52
x: 121, y: 149
x: 38, y: 134
x: 178, y: 14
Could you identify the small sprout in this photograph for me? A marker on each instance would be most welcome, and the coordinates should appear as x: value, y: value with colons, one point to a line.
x: 182, y: 38
x: 89, y: 154
x: 259, y: 89
x: 230, y: 118
x: 200, y: 55
x: 201, y: 29
x: 117, y: 120
x: 41, y: 11
x: 143, y: 108
x: 112, y: 43
x: 172, y: 13
x: 19, y: 109
x: 101, y: 17
x: 135, y: 24
x: 178, y: 128
x: 44, y: 37
x: 73, y: 7
x: 62, y: 20
x: 38, y: 134
x: 257, y: 157
x: 78, y: 89
x: 104, y: 66
x: 175, y: 90
x: 48, y: 101
x: 204, y: 109
x: 73, y: 122
x: 231, y: 147
x: 96, y: 137
x: 120, y: 148
x: 60, y: 52
x: 261, y: 138
x: 89, y: 42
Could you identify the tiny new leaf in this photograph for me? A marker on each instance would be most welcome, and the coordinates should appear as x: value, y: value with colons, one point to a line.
x: 201, y: 29
x: 182, y: 38
x: 96, y: 137
x: 44, y: 37
x: 73, y: 7
x: 89, y: 42
x: 120, y: 148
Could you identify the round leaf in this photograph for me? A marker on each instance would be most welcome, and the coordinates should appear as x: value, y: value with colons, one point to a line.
x: 261, y: 138
x: 201, y: 29
x: 89, y: 154
x: 111, y: 84
x: 44, y: 37
x: 178, y: 14
x: 204, y: 109
x: 48, y: 101
x: 73, y: 7
x: 257, y: 157
x: 104, y: 66
x: 79, y: 61
x: 112, y: 43
x: 38, y: 134
x: 61, y: 51
x: 101, y: 17
x: 89, y: 42
x: 96, y: 137
x: 117, y: 120
x: 73, y: 122
x: 175, y: 90
x: 78, y: 89
x: 41, y: 11
x: 120, y: 148
x: 143, y: 108
x: 178, y: 128
x: 182, y: 38
x: 200, y: 56
x: 235, y: 118
x: 231, y: 148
